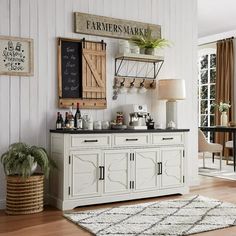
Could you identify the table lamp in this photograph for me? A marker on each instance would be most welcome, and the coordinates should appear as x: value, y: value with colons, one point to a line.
x: 171, y: 90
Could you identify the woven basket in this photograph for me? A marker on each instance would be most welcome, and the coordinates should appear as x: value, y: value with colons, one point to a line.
x: 24, y: 196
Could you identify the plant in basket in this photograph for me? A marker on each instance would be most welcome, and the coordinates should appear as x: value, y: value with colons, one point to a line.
x: 24, y: 186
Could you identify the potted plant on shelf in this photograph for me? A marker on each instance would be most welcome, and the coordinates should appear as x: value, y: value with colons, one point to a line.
x: 148, y: 43
x: 25, y: 187
x: 223, y: 109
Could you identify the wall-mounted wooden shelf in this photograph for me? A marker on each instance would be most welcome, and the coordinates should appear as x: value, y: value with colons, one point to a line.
x: 140, y: 66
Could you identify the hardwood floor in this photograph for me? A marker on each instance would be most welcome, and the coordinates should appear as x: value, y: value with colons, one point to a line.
x: 51, y: 221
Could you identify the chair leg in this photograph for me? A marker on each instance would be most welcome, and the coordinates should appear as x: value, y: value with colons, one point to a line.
x: 227, y: 155
x: 220, y: 160
x: 203, y: 159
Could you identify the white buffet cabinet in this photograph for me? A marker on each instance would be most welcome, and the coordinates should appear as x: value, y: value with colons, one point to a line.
x: 107, y: 167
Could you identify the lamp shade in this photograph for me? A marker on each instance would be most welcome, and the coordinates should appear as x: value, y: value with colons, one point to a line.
x: 171, y: 89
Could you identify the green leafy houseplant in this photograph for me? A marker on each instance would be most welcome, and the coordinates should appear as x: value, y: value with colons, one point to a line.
x: 222, y: 106
x: 148, y: 41
x: 21, y: 158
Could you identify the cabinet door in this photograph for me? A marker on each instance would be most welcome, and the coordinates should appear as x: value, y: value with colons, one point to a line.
x: 117, y: 171
x: 171, y: 167
x: 146, y: 169
x: 85, y: 173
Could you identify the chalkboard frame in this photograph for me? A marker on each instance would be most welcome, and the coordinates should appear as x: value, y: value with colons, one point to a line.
x: 87, y: 103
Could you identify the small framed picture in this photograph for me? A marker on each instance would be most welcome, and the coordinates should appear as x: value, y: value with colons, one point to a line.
x: 16, y: 56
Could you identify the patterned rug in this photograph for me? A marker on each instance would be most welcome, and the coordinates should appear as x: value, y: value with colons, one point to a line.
x: 183, y: 216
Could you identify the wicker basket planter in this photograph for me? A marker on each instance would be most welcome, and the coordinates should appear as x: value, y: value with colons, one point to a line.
x: 24, y: 196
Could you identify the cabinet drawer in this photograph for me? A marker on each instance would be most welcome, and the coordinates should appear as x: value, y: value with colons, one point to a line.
x: 90, y: 141
x: 167, y: 138
x: 131, y: 140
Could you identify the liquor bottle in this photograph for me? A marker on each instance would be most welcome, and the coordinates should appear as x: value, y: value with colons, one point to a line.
x: 67, y: 125
x: 62, y: 122
x: 58, y: 122
x: 78, y: 118
x: 71, y: 118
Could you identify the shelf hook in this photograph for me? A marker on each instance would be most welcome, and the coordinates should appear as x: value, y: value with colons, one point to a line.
x: 152, y: 84
x: 142, y: 83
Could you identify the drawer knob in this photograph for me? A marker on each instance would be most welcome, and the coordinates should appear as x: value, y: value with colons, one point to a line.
x: 131, y: 139
x: 167, y: 138
x: 91, y: 141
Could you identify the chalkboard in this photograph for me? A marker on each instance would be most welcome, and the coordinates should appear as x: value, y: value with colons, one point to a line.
x: 71, y: 69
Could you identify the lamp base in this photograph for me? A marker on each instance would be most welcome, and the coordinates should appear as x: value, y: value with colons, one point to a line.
x: 171, y: 114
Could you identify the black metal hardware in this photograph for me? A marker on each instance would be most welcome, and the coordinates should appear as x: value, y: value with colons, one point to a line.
x: 83, y: 42
x: 167, y: 138
x: 91, y: 141
x: 131, y: 139
x: 133, y: 156
x: 103, y: 172
x: 132, y: 184
x: 69, y: 159
x: 183, y: 153
x: 183, y: 179
x: 68, y: 190
x: 100, y: 172
x: 158, y: 168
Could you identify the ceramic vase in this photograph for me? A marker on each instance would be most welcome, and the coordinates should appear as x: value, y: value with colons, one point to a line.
x: 224, y: 119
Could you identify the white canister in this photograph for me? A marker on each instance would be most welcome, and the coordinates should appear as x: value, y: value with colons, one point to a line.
x: 97, y: 125
x: 90, y: 125
x: 124, y: 46
x: 105, y: 125
x: 134, y: 48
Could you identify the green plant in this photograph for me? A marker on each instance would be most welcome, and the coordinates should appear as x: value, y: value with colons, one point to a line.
x: 223, y: 106
x: 20, y: 158
x: 147, y: 41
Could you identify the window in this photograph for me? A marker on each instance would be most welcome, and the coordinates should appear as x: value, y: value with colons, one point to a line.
x: 206, y: 86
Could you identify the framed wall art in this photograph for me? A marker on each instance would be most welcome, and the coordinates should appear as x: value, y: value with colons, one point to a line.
x: 16, y: 56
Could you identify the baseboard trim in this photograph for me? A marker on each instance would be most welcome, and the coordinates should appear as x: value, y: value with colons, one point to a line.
x: 2, y: 204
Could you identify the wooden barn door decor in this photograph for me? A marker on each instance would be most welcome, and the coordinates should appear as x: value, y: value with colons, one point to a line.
x: 82, y: 73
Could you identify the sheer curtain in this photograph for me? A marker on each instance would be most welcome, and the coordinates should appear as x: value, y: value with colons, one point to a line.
x: 224, y: 82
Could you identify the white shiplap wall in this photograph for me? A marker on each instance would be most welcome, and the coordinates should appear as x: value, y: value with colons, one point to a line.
x: 28, y: 105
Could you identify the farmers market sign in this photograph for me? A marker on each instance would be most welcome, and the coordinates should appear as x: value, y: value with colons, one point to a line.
x: 112, y: 27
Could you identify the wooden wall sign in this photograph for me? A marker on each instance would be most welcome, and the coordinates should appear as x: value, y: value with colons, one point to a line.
x: 112, y: 27
x: 16, y: 56
x: 82, y: 73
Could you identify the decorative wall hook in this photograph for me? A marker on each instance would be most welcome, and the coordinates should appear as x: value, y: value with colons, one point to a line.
x: 132, y: 88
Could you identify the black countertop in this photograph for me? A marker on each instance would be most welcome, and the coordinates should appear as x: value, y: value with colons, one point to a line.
x: 110, y: 131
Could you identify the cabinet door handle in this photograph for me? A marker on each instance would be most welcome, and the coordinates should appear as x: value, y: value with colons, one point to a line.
x: 167, y: 138
x: 103, y: 173
x: 160, y: 168
x: 131, y: 139
x: 91, y: 141
x: 100, y: 172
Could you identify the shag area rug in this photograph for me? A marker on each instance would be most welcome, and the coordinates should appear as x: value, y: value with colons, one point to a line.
x: 183, y: 216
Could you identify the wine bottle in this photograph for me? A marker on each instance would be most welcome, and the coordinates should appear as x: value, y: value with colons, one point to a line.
x: 78, y: 118
x: 67, y: 125
x: 62, y: 122
x: 71, y: 118
x: 58, y: 122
